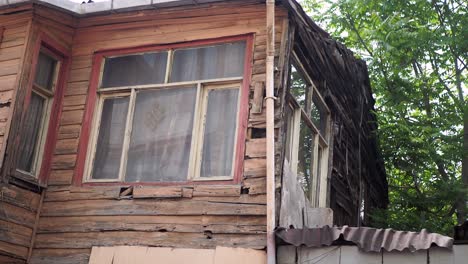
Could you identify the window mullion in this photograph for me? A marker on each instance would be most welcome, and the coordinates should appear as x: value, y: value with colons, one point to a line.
x: 128, y: 132
x: 315, y: 178
x: 296, y: 133
x: 197, y: 134
x: 168, y: 65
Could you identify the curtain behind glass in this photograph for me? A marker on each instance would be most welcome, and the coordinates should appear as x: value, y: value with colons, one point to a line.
x: 45, y: 70
x: 219, y: 134
x: 205, y: 63
x: 161, y: 136
x: 30, y: 134
x: 110, y: 139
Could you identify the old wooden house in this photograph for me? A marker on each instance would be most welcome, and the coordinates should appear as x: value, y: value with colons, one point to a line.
x: 185, y: 129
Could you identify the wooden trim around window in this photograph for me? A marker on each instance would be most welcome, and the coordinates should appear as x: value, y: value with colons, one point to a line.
x: 63, y: 54
x: 90, y: 108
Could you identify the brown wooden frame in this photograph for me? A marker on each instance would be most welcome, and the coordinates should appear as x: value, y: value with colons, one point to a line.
x: 51, y: 126
x: 320, y: 141
x: 79, y: 174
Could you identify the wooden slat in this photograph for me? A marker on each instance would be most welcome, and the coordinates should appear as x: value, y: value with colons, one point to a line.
x: 256, y: 185
x: 148, y: 207
x: 60, y: 177
x: 60, y: 256
x: 13, y: 250
x: 256, y: 148
x: 82, y: 193
x: 216, y: 190
x: 11, y: 260
x: 184, y: 224
x: 63, y: 162
x: 19, y: 197
x: 16, y: 215
x: 157, y: 192
x: 156, y: 239
x: 255, y: 168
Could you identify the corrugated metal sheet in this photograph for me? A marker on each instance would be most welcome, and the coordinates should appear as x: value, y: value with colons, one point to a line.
x: 366, y: 238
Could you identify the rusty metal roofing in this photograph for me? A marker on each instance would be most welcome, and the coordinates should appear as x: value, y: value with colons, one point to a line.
x: 366, y: 238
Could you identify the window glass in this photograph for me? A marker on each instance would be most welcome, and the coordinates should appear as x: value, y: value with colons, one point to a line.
x: 318, y: 115
x: 161, y: 136
x: 110, y: 138
x: 299, y: 88
x: 221, y: 61
x: 138, y: 69
x: 45, y: 71
x: 289, y: 133
x: 220, y: 131
x: 31, y: 132
x: 305, y: 158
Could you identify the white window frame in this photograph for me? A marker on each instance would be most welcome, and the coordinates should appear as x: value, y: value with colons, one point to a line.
x: 196, y: 147
x: 319, y: 182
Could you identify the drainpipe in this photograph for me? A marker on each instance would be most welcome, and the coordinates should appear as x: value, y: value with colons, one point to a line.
x: 270, y: 131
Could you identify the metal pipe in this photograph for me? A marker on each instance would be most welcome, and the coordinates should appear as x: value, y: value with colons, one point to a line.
x: 270, y: 131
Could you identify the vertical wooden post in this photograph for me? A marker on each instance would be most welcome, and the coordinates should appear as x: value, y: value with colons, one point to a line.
x: 270, y: 133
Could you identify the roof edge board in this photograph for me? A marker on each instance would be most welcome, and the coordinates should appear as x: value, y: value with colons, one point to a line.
x: 79, y: 9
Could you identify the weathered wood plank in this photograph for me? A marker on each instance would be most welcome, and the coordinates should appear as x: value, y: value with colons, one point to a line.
x: 11, y: 260
x: 255, y: 185
x: 63, y: 162
x: 148, y: 207
x: 156, y: 239
x: 256, y: 148
x: 19, y: 197
x: 157, y: 192
x: 17, y: 215
x: 184, y: 224
x: 60, y: 177
x: 60, y: 256
x: 216, y: 190
x: 82, y: 193
x: 15, y: 228
x: 13, y: 250
x: 255, y: 168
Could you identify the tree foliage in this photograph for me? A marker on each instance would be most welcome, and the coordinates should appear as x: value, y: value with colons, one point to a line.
x: 416, y: 53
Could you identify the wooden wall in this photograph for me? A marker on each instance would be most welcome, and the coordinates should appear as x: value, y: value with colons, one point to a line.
x: 18, y: 207
x: 73, y: 219
x: 356, y: 167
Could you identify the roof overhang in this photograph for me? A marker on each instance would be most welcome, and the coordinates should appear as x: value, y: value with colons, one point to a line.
x: 104, y: 6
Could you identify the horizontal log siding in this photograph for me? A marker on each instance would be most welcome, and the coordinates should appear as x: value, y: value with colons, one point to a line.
x: 73, y: 218
x: 18, y: 207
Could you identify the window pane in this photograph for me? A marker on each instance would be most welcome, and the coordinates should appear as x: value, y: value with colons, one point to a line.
x: 139, y: 69
x: 289, y: 112
x: 31, y: 133
x: 204, y: 63
x: 110, y: 139
x: 45, y: 70
x: 299, y: 87
x: 220, y: 132
x: 161, y: 135
x: 318, y: 116
x: 305, y: 158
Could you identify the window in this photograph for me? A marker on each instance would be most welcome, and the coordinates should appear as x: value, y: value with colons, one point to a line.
x: 306, y: 147
x: 37, y: 115
x: 168, y: 115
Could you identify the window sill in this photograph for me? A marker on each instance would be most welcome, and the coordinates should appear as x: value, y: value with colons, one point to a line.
x: 27, y: 181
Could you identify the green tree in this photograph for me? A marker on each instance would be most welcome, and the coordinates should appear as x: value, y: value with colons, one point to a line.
x: 416, y: 53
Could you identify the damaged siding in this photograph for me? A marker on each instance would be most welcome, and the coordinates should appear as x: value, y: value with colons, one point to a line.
x: 73, y: 217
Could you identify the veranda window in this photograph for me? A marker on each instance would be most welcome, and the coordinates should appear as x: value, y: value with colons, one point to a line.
x: 35, y: 128
x: 307, y: 137
x: 168, y: 116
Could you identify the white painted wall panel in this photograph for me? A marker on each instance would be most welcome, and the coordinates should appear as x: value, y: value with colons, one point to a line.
x: 352, y: 255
